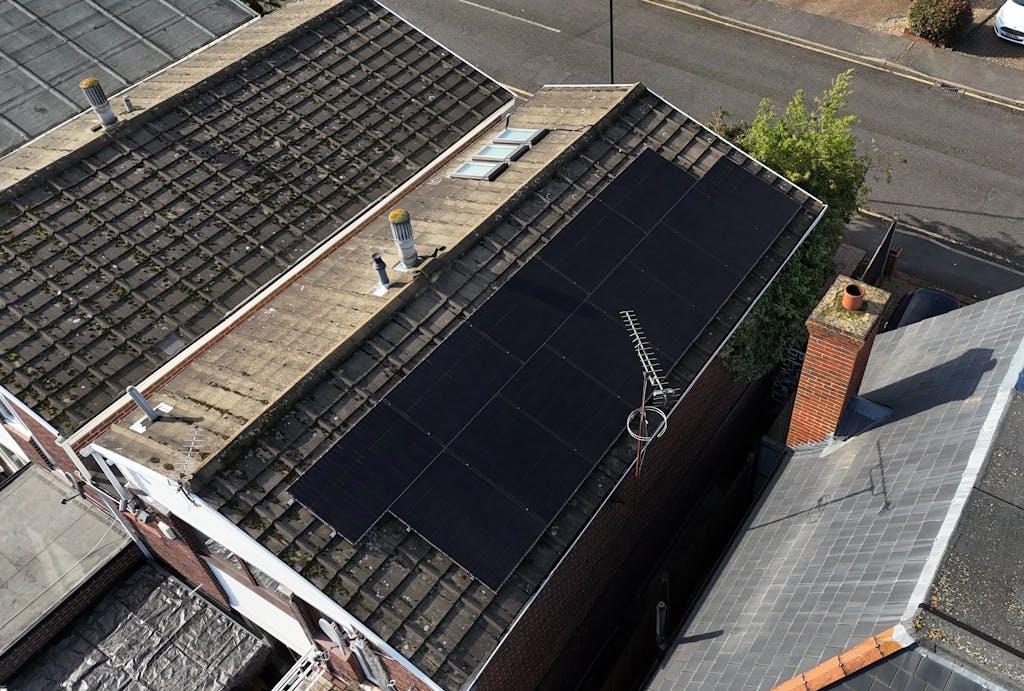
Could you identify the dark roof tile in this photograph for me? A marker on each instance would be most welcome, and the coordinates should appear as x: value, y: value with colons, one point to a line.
x: 169, y: 226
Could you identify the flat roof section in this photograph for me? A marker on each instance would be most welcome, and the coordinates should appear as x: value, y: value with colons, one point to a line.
x: 48, y: 46
x: 48, y: 548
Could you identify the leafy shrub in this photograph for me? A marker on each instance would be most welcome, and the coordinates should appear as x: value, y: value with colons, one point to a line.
x: 813, y: 145
x: 940, y: 21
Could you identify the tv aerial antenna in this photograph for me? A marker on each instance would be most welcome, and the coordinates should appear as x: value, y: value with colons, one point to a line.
x: 189, y: 454
x: 648, y: 422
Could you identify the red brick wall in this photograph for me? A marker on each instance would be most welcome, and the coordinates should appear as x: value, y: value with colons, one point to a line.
x: 404, y: 679
x: 346, y: 668
x: 71, y: 607
x: 181, y: 554
x: 44, y: 438
x: 832, y: 371
x: 631, y: 529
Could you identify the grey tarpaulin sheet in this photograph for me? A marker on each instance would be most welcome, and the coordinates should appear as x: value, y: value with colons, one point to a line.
x: 148, y: 633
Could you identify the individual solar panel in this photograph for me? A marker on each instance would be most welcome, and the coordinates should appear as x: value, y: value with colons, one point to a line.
x: 733, y: 215
x: 481, y: 445
x: 649, y: 191
x: 484, y: 529
x: 686, y: 270
x: 669, y: 321
x: 568, y: 401
x: 591, y: 246
x: 353, y: 484
x: 466, y: 364
x: 589, y: 327
x: 527, y: 309
x: 517, y: 454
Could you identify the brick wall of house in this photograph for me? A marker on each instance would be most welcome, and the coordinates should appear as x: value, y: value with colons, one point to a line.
x: 346, y: 668
x: 71, y: 607
x: 631, y: 529
x: 183, y: 554
x: 403, y: 678
x: 43, y: 442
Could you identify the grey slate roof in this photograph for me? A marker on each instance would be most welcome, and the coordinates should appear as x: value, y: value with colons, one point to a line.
x: 843, y: 545
x: 912, y: 669
x: 149, y: 632
x: 116, y: 261
x: 417, y: 599
x: 48, y: 46
x: 975, y: 609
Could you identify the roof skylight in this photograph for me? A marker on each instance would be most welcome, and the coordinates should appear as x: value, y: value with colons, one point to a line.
x: 480, y: 170
x: 519, y: 135
x: 500, y: 152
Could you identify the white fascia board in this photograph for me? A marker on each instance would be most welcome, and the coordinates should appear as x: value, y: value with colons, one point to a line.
x: 197, y: 513
x: 268, y: 616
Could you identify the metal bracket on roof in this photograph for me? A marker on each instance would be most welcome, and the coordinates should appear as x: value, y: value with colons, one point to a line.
x: 151, y: 414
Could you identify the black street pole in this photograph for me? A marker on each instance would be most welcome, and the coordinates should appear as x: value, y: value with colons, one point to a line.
x: 611, y: 42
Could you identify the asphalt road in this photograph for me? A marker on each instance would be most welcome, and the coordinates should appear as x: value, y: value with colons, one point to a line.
x: 937, y: 263
x: 957, y: 163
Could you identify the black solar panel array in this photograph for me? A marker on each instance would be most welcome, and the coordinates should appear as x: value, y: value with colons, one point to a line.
x: 486, y: 440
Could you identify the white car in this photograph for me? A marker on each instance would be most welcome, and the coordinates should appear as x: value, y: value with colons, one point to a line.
x: 1010, y: 21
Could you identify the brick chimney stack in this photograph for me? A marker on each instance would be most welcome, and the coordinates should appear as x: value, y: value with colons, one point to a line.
x: 839, y: 342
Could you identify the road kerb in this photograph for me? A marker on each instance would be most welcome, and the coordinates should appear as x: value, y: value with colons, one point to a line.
x: 963, y: 247
x: 868, y: 61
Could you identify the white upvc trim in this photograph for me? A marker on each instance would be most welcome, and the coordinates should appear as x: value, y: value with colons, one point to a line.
x: 253, y: 606
x: 979, y: 454
x: 111, y: 478
x: 191, y: 509
x: 23, y: 408
x: 616, y: 85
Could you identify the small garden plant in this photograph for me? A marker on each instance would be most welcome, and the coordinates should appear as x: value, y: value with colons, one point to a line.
x: 940, y: 21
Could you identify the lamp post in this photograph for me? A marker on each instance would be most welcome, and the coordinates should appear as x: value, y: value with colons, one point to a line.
x: 611, y: 42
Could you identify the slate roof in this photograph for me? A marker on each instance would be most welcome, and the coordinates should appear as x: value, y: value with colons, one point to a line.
x: 912, y: 669
x: 974, y: 612
x: 122, y: 256
x: 846, y: 544
x: 411, y: 594
x: 48, y: 46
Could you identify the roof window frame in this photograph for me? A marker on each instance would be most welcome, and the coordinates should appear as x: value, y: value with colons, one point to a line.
x: 492, y: 169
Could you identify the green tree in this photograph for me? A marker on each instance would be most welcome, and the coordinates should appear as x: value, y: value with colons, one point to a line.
x: 814, y: 148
